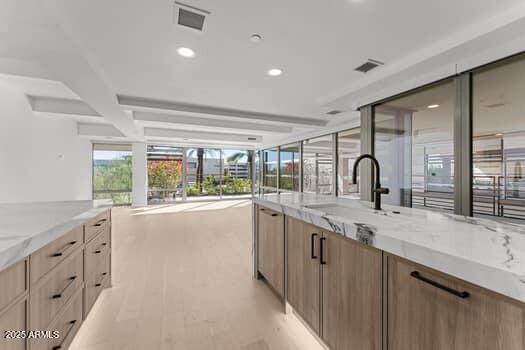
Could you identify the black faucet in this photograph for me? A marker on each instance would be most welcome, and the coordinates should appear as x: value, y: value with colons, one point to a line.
x: 378, y: 190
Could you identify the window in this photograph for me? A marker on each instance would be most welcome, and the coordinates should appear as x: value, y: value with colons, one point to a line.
x: 257, y: 177
x: 270, y: 168
x: 348, y: 149
x: 414, y: 146
x: 112, y: 173
x: 498, y: 127
x: 236, y: 180
x: 318, y: 165
x: 164, y: 174
x: 203, y: 172
x: 290, y: 162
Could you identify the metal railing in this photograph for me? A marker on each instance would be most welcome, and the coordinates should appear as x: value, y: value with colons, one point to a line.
x: 494, y: 195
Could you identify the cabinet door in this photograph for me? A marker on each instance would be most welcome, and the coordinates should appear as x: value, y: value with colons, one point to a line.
x: 12, y: 323
x: 425, y: 313
x: 351, y: 294
x: 271, y: 248
x: 303, y: 270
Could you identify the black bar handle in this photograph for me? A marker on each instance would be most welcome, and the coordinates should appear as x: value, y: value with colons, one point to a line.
x: 100, y: 222
x: 462, y: 295
x: 72, y: 323
x: 64, y: 249
x: 70, y: 282
x: 269, y: 213
x: 321, y: 243
x: 312, y: 245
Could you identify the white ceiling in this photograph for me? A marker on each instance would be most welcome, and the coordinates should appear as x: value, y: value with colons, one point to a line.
x: 99, y: 49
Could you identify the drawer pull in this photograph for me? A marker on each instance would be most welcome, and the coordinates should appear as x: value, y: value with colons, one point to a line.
x: 59, y: 295
x: 99, y: 250
x: 64, y: 249
x: 100, y: 222
x: 322, y: 258
x: 312, y: 246
x: 104, y: 273
x: 98, y: 284
x: 462, y: 295
x: 72, y: 323
x: 269, y: 213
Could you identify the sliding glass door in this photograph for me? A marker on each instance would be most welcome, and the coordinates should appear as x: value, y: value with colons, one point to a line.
x: 414, y: 143
x: 165, y: 165
x: 112, y: 173
x: 498, y: 127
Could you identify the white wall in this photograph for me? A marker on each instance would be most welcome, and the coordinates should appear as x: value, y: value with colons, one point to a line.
x: 140, y: 174
x: 41, y: 158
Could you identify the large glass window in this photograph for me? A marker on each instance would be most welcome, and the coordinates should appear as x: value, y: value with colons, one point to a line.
x: 318, y: 165
x: 112, y: 173
x: 164, y: 174
x: 499, y: 139
x: 236, y: 180
x: 203, y: 172
x: 270, y: 167
x: 290, y: 162
x: 348, y: 149
x: 414, y: 146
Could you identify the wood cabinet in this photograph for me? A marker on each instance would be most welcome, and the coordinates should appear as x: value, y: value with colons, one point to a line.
x: 352, y: 294
x: 270, y: 248
x: 303, y: 270
x: 433, y: 311
x: 49, y: 256
x: 54, y: 288
x: 12, y: 321
x: 335, y: 285
x: 13, y: 283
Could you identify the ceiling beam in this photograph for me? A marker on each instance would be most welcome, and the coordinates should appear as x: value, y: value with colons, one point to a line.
x: 208, y: 122
x: 61, y: 106
x: 201, y: 135
x: 140, y: 102
x: 98, y: 130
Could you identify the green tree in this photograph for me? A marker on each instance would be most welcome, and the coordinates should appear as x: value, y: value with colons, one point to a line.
x: 113, y: 176
x: 164, y: 174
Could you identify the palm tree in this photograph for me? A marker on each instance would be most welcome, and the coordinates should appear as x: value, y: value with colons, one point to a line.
x: 199, y: 176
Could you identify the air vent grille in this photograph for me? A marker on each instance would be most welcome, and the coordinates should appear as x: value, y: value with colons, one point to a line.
x: 369, y: 65
x: 334, y: 112
x: 189, y: 16
x: 252, y: 138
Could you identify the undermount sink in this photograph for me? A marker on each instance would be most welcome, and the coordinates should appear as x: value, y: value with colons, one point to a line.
x: 331, y: 208
x: 338, y: 209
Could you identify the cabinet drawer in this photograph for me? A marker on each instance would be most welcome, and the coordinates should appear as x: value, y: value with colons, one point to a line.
x: 13, y: 319
x: 431, y: 310
x: 95, y: 283
x: 55, y: 291
x: 49, y: 256
x: 12, y: 283
x: 270, y: 253
x: 96, y: 251
x: 67, y: 325
x: 100, y: 223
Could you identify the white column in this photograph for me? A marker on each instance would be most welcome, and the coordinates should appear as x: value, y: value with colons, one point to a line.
x: 140, y: 174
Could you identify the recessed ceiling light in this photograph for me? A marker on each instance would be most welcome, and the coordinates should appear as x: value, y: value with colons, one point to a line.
x: 255, y: 38
x: 432, y: 106
x: 274, y: 72
x: 185, y: 52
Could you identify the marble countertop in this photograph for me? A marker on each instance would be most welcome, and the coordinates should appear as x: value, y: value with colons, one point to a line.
x: 27, y: 227
x: 481, y: 251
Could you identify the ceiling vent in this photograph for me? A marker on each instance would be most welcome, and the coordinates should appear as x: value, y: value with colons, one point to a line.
x: 369, y: 65
x: 496, y: 105
x: 189, y: 16
x: 252, y: 138
x: 334, y: 112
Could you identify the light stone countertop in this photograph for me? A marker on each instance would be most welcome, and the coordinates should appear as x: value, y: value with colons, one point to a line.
x: 27, y: 227
x: 481, y: 251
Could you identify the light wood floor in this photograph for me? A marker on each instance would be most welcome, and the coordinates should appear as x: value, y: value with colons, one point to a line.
x: 182, y: 279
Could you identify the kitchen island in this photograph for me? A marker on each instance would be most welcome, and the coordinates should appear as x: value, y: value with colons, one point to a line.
x: 55, y: 258
x: 397, y: 278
